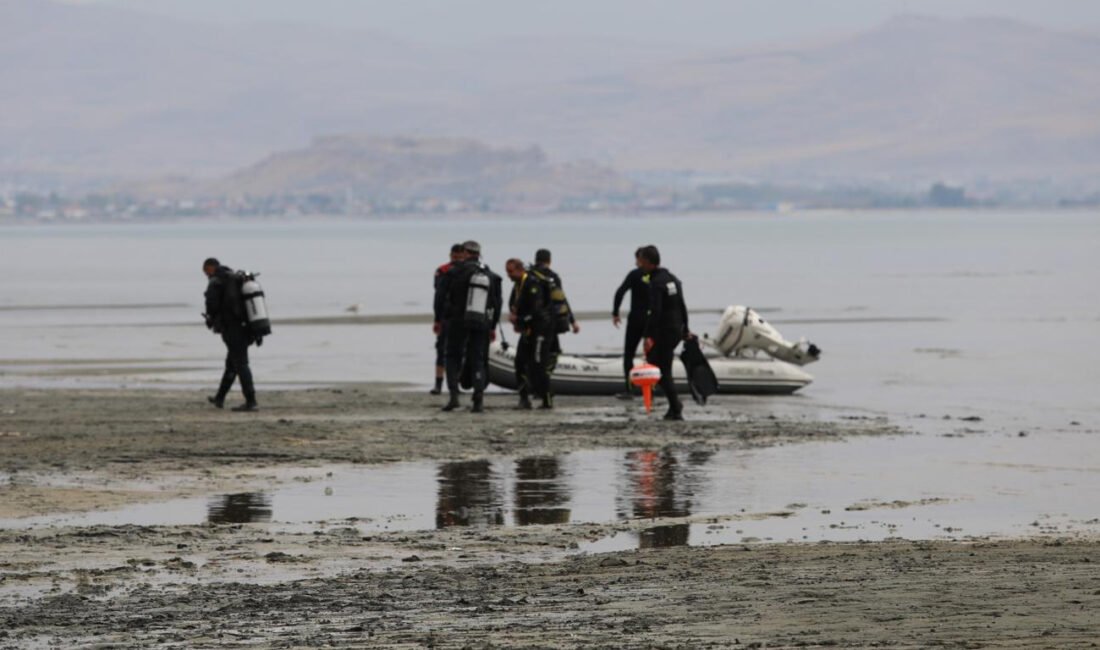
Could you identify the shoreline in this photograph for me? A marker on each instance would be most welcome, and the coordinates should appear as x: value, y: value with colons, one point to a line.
x: 332, y: 582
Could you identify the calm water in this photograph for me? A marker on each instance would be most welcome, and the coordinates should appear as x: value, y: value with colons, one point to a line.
x: 1016, y: 295
x: 916, y: 487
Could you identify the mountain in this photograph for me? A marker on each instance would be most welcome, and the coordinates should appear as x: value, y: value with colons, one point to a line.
x: 405, y: 169
x: 90, y: 88
x: 917, y: 97
x: 91, y: 95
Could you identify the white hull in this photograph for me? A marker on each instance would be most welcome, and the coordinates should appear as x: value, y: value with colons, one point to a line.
x: 603, y: 375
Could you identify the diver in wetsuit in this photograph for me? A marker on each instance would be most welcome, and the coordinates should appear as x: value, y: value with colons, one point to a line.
x: 530, y: 315
x: 457, y: 255
x: 547, y: 346
x: 637, y: 283
x: 666, y: 325
x: 471, y: 325
x: 225, y: 315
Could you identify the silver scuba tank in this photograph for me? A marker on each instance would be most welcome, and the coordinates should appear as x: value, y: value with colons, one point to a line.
x: 255, y: 306
x: 477, y: 299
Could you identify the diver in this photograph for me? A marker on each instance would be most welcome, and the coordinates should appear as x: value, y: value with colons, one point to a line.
x: 562, y: 320
x: 225, y: 315
x: 467, y: 303
x: 517, y: 273
x: 530, y: 314
x: 637, y: 283
x: 666, y: 325
x: 564, y: 313
x: 457, y: 255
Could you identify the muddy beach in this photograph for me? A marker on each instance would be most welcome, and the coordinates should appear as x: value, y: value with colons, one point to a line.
x: 335, y: 582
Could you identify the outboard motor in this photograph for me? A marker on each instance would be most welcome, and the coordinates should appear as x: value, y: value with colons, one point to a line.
x: 741, y: 328
x: 255, y: 307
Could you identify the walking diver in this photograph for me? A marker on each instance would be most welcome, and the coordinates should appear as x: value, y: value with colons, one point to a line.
x: 225, y: 315
x: 666, y: 325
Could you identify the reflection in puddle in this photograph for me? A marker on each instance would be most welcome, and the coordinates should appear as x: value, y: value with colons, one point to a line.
x: 245, y: 508
x: 468, y: 495
x: 650, y: 484
x: 541, y: 492
x: 664, y: 536
x: 657, y: 485
x: 915, y: 487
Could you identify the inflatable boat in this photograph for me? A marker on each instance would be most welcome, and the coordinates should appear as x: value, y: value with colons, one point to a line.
x: 747, y: 355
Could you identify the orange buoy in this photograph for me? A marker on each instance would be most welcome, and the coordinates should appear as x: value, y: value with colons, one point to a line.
x: 645, y: 376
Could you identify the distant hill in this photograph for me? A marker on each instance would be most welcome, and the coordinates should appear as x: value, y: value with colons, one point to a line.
x: 383, y: 169
x: 93, y: 94
x: 916, y: 98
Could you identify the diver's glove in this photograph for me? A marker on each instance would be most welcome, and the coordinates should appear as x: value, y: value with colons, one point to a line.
x: 212, y: 324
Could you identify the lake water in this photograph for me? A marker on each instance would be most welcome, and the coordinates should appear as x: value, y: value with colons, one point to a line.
x: 919, y: 313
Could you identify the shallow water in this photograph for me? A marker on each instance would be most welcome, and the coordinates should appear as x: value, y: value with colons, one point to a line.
x: 917, y: 312
x: 914, y: 487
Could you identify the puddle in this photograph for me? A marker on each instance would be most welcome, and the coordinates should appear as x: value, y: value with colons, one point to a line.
x: 914, y: 487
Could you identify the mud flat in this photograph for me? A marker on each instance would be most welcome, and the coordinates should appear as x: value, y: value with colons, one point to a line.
x: 332, y: 583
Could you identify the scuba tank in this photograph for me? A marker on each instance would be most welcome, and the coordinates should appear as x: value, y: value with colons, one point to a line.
x: 477, y: 298
x: 559, y: 305
x: 255, y: 306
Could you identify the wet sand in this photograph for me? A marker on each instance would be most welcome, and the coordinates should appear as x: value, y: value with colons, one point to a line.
x: 272, y: 585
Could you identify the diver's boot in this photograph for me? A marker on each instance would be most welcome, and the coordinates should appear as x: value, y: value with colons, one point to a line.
x: 228, y: 377
x: 479, y: 403
x: 249, y: 395
x: 524, y: 403
x: 547, y: 403
x: 451, y: 404
x: 674, y: 416
x: 438, y: 386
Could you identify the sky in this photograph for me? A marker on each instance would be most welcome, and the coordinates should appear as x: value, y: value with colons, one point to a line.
x: 685, y: 23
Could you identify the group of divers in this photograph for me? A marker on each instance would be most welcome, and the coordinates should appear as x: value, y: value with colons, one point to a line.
x: 468, y: 309
x: 469, y: 306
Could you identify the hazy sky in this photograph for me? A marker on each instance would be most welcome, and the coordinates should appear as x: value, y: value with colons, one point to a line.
x: 703, y: 23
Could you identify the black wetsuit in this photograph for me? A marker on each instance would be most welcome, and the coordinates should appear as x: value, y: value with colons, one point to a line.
x: 225, y: 315
x: 637, y: 283
x: 523, y: 386
x: 546, y: 348
x: 467, y: 344
x: 441, y: 338
x: 667, y: 325
x: 537, y: 352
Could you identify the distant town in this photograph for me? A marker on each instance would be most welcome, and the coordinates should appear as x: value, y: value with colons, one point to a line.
x: 24, y: 206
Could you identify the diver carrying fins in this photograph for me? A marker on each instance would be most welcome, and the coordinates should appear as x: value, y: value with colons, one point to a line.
x: 701, y: 378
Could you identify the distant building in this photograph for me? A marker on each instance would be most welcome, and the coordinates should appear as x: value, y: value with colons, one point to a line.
x: 944, y: 196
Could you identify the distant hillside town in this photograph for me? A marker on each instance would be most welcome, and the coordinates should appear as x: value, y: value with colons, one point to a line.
x: 363, y: 176
x: 54, y: 207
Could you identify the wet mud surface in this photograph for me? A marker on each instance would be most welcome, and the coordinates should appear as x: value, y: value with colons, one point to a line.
x: 330, y: 583
x: 142, y: 434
